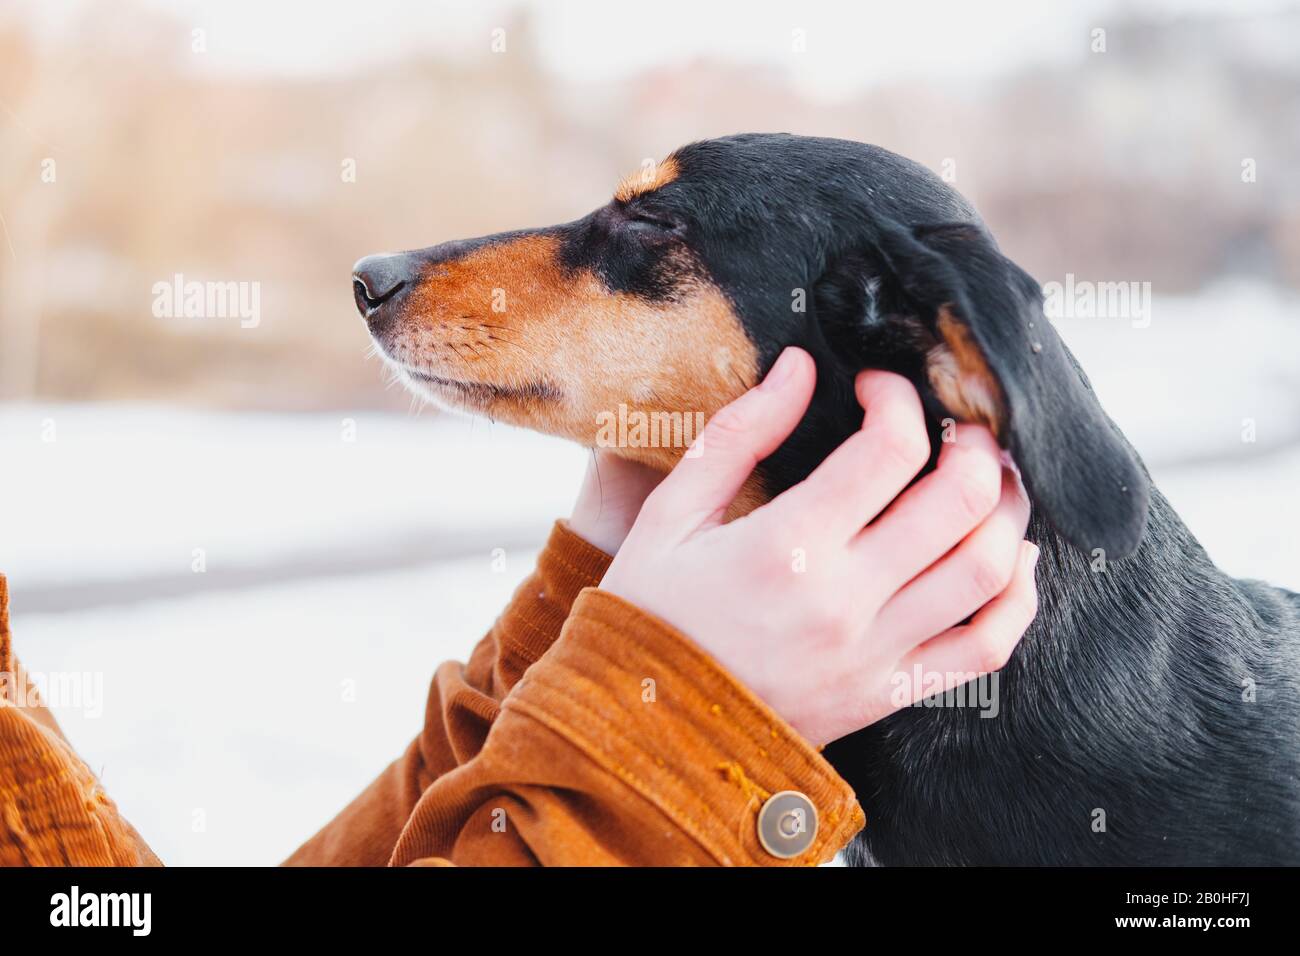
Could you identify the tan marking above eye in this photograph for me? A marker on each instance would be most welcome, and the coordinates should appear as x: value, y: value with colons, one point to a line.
x: 961, y: 378
x: 647, y: 179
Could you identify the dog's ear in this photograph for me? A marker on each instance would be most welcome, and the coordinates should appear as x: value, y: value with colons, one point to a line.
x: 997, y: 360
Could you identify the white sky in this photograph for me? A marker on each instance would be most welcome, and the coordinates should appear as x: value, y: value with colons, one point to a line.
x: 850, y: 43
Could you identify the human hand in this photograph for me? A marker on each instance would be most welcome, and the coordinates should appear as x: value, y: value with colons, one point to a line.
x: 822, y: 645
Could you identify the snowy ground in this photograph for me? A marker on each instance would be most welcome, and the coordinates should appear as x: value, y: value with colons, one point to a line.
x: 239, y: 708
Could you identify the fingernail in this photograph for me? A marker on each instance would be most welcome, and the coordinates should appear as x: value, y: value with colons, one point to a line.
x: 780, y: 372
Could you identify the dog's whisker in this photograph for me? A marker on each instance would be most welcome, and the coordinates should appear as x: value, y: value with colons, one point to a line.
x: 521, y: 347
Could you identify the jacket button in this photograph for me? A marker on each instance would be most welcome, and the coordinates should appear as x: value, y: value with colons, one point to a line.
x: 787, y: 824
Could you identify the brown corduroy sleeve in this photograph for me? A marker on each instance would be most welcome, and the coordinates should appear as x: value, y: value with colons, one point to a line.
x: 463, y: 702
x: 626, y: 744
x: 53, y: 812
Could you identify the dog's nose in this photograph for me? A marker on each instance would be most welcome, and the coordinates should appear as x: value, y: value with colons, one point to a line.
x: 377, y: 279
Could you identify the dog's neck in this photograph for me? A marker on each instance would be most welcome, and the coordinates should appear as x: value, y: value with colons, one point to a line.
x: 1168, y: 587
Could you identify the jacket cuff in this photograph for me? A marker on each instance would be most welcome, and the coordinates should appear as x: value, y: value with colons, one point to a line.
x: 648, y: 704
x: 532, y: 621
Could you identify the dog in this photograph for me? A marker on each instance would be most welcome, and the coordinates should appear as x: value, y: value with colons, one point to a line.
x: 1151, y: 714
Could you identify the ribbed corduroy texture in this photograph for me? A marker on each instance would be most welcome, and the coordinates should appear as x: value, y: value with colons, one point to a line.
x: 53, y: 812
x: 623, y: 743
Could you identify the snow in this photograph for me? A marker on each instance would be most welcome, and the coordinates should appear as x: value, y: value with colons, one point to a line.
x: 125, y: 491
x: 243, y: 706
x: 1182, y: 387
x: 261, y: 713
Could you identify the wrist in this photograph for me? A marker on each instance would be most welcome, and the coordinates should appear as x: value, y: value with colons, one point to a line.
x: 605, y: 533
x: 610, y: 499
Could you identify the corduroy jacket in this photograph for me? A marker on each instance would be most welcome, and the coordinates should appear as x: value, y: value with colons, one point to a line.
x: 581, y: 731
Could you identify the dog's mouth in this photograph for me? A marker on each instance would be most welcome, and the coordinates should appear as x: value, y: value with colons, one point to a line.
x: 484, y: 393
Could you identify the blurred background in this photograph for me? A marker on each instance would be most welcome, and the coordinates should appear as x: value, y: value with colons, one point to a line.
x: 258, y: 552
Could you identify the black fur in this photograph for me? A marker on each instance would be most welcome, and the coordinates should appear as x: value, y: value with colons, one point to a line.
x: 1128, y: 694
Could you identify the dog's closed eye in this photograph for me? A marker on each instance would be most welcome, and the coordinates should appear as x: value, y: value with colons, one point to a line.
x: 652, y: 222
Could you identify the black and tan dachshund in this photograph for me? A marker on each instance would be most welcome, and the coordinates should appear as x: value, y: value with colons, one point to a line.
x: 1152, y: 713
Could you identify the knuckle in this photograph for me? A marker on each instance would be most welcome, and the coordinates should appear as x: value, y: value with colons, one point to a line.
x: 831, y: 481
x: 976, y: 485
x: 728, y: 423
x: 903, y: 443
x: 989, y: 576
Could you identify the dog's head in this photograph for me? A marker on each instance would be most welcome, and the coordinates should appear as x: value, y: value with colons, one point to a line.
x: 677, y: 295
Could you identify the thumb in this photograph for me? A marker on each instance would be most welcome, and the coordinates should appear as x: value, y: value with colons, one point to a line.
x: 699, y: 490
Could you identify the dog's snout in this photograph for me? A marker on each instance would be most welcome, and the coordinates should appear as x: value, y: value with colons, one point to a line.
x: 378, y: 279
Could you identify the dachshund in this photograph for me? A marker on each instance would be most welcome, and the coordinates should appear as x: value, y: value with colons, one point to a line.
x: 1151, y: 714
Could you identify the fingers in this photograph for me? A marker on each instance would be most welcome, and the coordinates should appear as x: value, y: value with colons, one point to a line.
x: 873, y: 465
x: 959, y: 584
x: 985, y: 644
x: 929, y: 518
x: 699, y: 490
